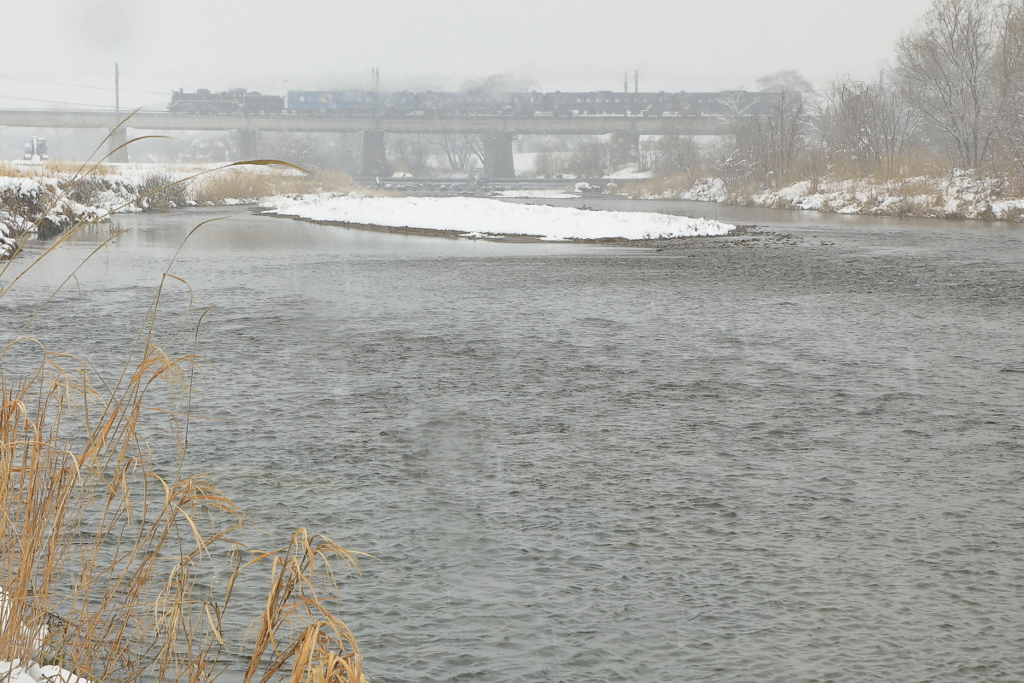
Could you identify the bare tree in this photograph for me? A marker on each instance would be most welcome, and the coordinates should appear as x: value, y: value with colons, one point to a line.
x: 1008, y: 76
x: 786, y: 81
x: 767, y: 146
x: 735, y: 103
x: 588, y: 159
x: 312, y: 150
x: 670, y: 154
x: 410, y: 154
x: 868, y: 126
x: 945, y: 68
x: 459, y: 150
x: 545, y: 165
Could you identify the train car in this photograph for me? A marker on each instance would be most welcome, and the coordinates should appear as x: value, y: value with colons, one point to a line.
x: 263, y: 105
x: 323, y: 101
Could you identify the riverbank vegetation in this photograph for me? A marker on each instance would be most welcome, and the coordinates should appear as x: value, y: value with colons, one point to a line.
x: 116, y: 563
x: 50, y: 198
x: 939, y: 134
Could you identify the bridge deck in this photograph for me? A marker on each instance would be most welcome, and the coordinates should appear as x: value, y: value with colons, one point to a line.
x: 539, y: 125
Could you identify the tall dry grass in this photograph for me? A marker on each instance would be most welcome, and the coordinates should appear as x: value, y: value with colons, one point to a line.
x: 52, y: 167
x: 251, y: 186
x: 118, y: 569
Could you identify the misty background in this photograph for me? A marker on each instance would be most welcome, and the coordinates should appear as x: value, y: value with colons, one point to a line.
x: 61, y: 53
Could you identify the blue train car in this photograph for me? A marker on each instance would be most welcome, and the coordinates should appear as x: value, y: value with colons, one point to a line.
x: 312, y: 101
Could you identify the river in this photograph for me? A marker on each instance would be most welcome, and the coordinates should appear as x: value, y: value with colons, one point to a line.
x: 790, y: 455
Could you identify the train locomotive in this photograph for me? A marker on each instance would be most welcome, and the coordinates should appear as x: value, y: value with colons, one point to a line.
x: 237, y: 101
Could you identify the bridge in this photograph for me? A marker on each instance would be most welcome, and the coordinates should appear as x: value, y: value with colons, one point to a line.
x: 498, y: 131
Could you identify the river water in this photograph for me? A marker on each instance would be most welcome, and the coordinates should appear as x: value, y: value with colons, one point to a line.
x: 790, y: 455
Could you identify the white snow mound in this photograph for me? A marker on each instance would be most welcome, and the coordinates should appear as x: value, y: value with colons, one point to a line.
x: 492, y: 217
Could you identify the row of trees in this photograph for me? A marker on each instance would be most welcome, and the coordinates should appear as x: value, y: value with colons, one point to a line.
x: 954, y: 98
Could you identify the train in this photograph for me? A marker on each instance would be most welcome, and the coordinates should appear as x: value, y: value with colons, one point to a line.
x: 406, y: 103
x: 601, y: 103
x: 237, y: 101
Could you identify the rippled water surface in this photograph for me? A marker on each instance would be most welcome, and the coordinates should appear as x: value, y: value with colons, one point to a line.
x: 791, y: 455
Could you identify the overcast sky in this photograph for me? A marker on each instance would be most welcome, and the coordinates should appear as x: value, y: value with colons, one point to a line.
x: 62, y: 52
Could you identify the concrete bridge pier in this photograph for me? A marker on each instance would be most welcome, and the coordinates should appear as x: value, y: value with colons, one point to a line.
x: 375, y: 157
x: 625, y: 148
x: 118, y: 137
x: 498, y: 161
x: 247, y: 142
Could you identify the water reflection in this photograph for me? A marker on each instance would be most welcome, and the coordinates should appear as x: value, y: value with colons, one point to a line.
x: 240, y: 229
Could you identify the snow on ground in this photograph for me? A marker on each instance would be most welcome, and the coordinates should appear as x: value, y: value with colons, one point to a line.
x: 631, y: 172
x: 961, y: 194
x: 706, y: 190
x: 6, y: 241
x: 27, y: 671
x: 524, y: 162
x: 46, y: 201
x: 536, y: 194
x: 49, y: 204
x: 28, y: 204
x: 490, y: 217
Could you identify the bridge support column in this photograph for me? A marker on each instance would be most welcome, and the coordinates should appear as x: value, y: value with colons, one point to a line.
x: 625, y: 148
x: 118, y: 137
x: 498, y: 156
x: 247, y: 142
x: 375, y: 157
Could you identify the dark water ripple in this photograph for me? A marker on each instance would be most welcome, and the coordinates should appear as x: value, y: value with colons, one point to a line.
x: 790, y: 459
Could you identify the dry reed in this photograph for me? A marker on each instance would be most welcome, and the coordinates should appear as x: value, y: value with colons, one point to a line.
x: 112, y: 567
x: 255, y: 184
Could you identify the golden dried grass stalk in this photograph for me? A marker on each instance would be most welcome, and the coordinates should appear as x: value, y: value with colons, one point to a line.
x: 113, y: 567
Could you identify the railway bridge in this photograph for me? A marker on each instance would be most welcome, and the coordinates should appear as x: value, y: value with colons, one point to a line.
x: 497, y: 131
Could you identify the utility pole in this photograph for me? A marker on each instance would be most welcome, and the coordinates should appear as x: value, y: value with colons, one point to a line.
x: 625, y: 82
x: 117, y: 91
x: 636, y: 81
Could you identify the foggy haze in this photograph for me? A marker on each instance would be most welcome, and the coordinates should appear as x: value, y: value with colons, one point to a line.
x: 62, y: 52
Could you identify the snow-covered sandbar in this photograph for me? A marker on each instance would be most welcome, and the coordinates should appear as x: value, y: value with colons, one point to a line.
x: 472, y: 217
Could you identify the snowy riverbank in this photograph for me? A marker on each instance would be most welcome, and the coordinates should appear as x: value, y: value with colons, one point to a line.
x: 960, y: 195
x: 47, y: 204
x: 490, y: 218
x: 46, y: 200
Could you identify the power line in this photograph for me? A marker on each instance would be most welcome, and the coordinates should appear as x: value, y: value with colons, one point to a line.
x: 76, y: 85
x: 52, y: 70
x: 73, y: 104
